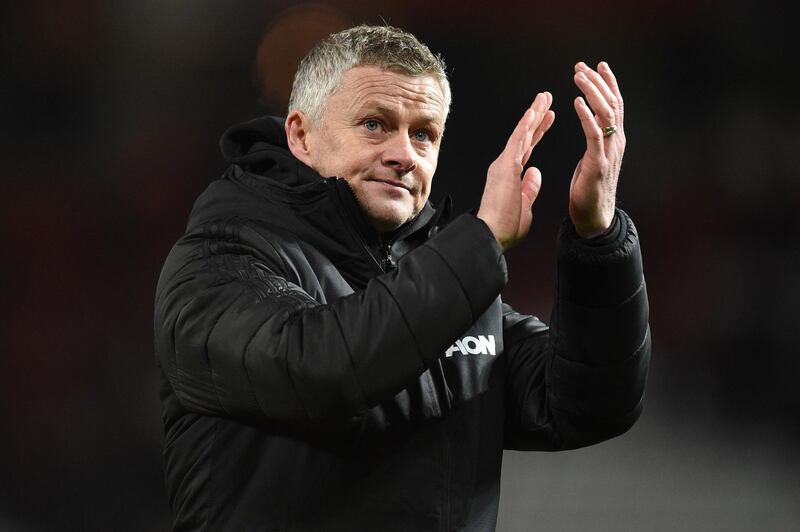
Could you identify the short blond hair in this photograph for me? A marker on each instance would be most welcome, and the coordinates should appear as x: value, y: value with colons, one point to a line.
x: 320, y: 72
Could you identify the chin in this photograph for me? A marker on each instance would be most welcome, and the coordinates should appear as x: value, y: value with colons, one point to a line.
x: 389, y: 219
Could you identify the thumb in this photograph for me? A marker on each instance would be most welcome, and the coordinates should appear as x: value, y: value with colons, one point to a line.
x: 531, y: 184
x: 529, y: 190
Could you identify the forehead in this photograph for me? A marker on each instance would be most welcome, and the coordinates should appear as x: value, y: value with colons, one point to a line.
x: 365, y: 88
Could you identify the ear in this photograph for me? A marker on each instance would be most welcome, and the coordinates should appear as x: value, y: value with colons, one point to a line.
x: 297, y: 128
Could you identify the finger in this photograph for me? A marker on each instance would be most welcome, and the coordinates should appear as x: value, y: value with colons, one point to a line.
x: 520, y: 140
x: 605, y: 113
x: 592, y: 131
x: 536, y: 105
x: 542, y: 102
x: 514, y: 146
x: 540, y: 105
x: 544, y: 119
x: 600, y: 83
x: 611, y: 81
x: 544, y: 126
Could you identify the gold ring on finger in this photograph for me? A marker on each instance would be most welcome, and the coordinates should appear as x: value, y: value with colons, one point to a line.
x: 609, y: 130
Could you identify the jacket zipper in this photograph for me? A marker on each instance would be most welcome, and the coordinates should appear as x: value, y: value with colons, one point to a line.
x: 387, y: 262
x: 384, y: 260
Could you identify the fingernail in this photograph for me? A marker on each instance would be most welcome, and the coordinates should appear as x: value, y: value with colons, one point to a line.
x: 604, y: 65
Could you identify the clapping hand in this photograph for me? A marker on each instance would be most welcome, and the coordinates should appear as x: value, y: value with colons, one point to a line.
x: 507, y: 199
x: 592, y: 193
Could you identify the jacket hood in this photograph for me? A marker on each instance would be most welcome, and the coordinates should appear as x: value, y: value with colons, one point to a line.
x: 259, y: 146
x: 243, y: 142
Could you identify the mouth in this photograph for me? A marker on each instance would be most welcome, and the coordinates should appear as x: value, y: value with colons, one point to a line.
x: 391, y: 183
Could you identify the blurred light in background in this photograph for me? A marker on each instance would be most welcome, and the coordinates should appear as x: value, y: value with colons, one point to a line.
x: 286, y: 41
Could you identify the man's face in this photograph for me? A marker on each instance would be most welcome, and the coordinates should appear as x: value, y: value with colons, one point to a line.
x: 381, y: 131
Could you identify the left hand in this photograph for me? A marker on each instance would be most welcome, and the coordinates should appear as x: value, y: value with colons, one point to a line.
x: 592, y: 193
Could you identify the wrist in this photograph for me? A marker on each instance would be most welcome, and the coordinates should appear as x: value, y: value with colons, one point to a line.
x: 590, y: 232
x: 497, y: 234
x: 595, y: 226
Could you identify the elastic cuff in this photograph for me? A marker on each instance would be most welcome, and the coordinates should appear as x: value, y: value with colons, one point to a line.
x: 602, y: 271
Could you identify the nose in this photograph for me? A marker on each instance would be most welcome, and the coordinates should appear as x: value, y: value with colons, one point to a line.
x: 400, y: 154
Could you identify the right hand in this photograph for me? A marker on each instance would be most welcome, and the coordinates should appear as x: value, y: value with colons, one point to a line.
x: 507, y: 200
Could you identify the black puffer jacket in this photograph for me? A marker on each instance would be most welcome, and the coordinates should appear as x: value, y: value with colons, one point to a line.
x: 318, y: 377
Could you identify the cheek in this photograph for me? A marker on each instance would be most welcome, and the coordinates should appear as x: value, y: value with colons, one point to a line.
x: 427, y: 177
x: 334, y: 157
x: 356, y: 162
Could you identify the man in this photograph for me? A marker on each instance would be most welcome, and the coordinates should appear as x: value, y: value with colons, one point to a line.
x: 335, y: 351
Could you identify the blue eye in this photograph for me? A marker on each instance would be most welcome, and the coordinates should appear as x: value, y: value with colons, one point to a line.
x: 422, y: 136
x: 371, y: 125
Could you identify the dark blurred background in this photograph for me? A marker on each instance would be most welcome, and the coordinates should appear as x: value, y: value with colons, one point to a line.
x: 109, y: 121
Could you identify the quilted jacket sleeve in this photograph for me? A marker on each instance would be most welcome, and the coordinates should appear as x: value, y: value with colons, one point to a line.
x: 582, y: 380
x: 236, y: 338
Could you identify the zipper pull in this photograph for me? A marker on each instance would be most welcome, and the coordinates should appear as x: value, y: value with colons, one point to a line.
x: 387, y: 262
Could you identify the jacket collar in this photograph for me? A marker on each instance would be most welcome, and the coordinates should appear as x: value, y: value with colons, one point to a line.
x: 288, y: 195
